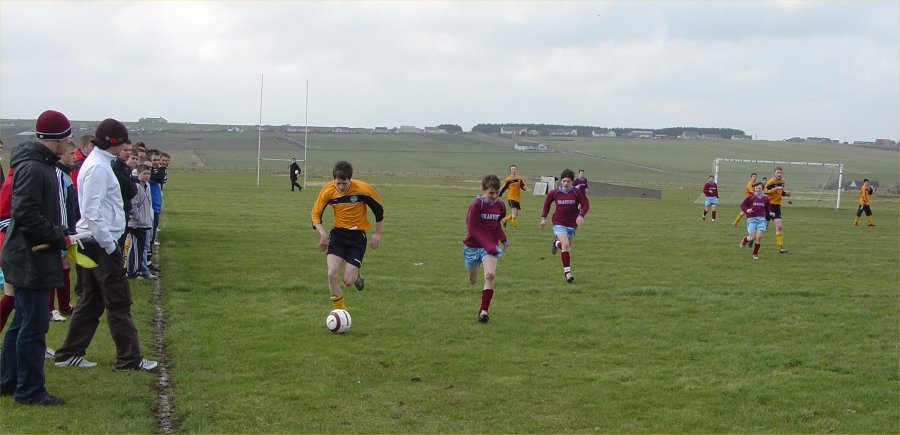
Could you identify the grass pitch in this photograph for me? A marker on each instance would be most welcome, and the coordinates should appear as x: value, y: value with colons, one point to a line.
x: 669, y: 326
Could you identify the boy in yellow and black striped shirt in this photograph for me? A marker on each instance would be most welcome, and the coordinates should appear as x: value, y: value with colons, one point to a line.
x: 346, y: 242
x: 864, y: 193
x: 774, y: 190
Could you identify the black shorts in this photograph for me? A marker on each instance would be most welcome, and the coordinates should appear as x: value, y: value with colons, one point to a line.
x: 776, y: 208
x: 514, y: 204
x: 348, y: 244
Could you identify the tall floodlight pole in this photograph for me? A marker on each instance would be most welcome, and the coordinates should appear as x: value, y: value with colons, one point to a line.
x: 259, y: 130
x: 306, y: 135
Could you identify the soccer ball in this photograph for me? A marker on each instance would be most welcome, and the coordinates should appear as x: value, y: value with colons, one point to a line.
x: 338, y: 321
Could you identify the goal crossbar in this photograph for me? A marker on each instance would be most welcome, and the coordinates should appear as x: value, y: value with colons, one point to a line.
x: 837, y: 168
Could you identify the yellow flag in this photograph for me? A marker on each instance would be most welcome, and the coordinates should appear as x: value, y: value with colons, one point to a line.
x: 79, y: 258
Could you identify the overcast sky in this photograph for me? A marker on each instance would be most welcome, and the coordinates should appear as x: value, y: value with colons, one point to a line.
x: 772, y: 69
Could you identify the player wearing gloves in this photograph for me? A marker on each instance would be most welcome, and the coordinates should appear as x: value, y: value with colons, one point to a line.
x: 484, y: 235
x: 105, y: 286
x: 295, y: 174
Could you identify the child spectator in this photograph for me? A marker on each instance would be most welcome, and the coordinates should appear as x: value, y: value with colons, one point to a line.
x: 140, y: 225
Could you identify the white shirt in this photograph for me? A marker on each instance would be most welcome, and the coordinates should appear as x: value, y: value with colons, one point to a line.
x: 100, y: 200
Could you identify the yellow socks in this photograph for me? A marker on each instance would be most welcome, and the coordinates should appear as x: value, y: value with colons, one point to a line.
x: 338, y: 302
x: 737, y: 218
x: 856, y: 221
x: 779, y: 240
x: 869, y: 219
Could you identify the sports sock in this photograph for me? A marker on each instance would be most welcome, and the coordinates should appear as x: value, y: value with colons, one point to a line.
x: 565, y: 260
x: 856, y: 220
x: 744, y: 241
x: 738, y: 218
x: 6, y: 307
x: 779, y: 240
x: 714, y: 215
x: 486, y: 296
x: 338, y: 302
x: 869, y: 220
x: 756, y: 248
x: 705, y: 212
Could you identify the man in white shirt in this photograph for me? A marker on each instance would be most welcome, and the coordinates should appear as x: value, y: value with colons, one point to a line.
x: 105, y: 286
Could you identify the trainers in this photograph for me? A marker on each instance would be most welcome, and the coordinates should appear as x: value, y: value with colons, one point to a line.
x: 553, y: 248
x: 483, y: 316
x: 55, y: 316
x: 756, y: 257
x: 48, y: 400
x: 750, y: 243
x: 148, y: 276
x: 703, y: 218
x: 734, y: 224
x: 713, y: 221
x: 49, y: 353
x: 147, y: 365
x: 360, y: 283
x: 743, y: 242
x: 76, y: 361
x: 871, y: 225
x: 569, y: 277
x: 782, y: 251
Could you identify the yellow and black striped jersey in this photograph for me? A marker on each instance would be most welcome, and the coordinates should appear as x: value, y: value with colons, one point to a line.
x: 515, y: 185
x: 864, y: 195
x: 349, y: 207
x: 749, y: 187
x: 772, y: 191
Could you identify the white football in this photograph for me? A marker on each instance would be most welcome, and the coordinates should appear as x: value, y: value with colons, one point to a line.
x: 338, y: 321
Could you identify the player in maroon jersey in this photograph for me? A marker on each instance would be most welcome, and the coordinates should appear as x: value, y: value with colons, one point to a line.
x: 484, y: 235
x: 757, y: 208
x: 571, y: 207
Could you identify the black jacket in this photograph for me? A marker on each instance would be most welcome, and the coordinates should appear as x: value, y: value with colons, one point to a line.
x: 35, y: 209
x: 123, y: 174
x: 295, y: 171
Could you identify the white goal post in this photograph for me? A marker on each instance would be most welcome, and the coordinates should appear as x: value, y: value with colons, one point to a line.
x: 811, y: 184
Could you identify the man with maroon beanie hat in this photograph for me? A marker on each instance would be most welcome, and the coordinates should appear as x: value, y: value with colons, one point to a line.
x: 35, y: 220
x: 105, y: 286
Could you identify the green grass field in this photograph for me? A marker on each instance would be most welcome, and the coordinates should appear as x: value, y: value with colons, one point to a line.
x: 669, y: 326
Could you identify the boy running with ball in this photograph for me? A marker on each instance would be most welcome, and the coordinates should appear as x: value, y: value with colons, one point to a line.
x: 484, y: 235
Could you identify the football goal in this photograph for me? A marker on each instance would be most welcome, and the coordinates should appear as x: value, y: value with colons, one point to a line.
x: 811, y: 184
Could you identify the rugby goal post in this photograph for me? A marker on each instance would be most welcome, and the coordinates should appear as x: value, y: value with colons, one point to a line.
x: 811, y: 184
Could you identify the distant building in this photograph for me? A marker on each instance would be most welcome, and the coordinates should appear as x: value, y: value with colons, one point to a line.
x: 795, y: 139
x: 608, y: 133
x: 513, y: 131
x: 159, y: 120
x: 341, y: 130
x: 564, y: 132
x: 741, y: 137
x: 408, y: 129
x: 380, y: 130
x: 527, y: 145
x: 690, y: 134
x: 640, y: 134
x: 885, y: 142
x: 435, y: 130
x: 710, y: 136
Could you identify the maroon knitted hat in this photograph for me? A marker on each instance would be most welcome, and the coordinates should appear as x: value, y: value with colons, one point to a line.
x: 52, y: 125
x: 110, y: 133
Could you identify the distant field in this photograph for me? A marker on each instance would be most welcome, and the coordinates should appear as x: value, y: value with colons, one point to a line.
x: 626, y: 161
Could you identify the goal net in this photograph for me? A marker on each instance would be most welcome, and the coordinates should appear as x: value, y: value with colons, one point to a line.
x: 811, y: 184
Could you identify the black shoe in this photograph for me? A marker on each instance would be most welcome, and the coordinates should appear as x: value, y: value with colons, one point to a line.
x: 483, y: 317
x: 48, y: 400
x: 360, y: 282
